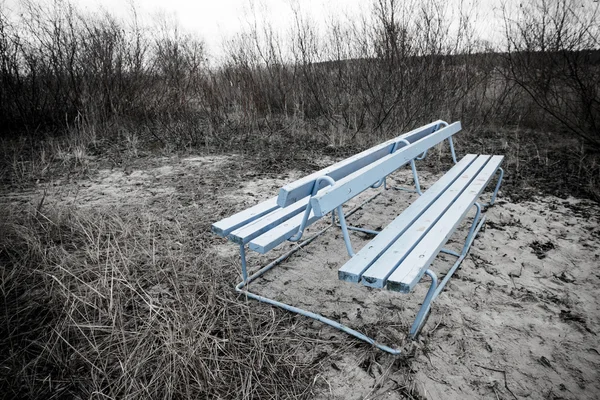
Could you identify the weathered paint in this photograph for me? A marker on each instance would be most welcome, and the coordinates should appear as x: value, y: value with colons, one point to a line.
x: 412, y: 268
x: 360, y: 180
x: 354, y: 268
x: 303, y: 187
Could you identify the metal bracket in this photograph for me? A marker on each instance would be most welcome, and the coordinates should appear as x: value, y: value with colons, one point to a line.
x: 340, y: 211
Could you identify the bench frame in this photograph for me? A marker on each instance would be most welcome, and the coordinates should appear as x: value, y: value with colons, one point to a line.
x: 242, y: 287
x: 436, y: 287
x: 434, y: 290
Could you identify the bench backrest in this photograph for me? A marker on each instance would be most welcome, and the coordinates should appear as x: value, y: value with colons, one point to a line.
x: 227, y: 225
x: 303, y: 187
x: 358, y: 181
x: 300, y: 189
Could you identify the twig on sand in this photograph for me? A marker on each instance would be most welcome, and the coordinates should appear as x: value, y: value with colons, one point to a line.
x: 496, y: 392
x: 503, y: 373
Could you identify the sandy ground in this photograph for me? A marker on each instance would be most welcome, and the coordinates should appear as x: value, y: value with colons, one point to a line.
x: 520, y: 318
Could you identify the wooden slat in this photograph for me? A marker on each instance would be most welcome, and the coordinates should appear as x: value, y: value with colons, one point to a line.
x: 354, y: 268
x: 412, y: 268
x: 377, y: 273
x: 279, y: 234
x: 303, y: 187
x: 225, y: 226
x: 256, y: 228
x: 358, y: 181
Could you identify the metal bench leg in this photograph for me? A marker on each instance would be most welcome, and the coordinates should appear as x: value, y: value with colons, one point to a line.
x: 451, y: 143
x: 345, y: 231
x: 242, y: 288
x: 414, y: 171
x: 500, y: 176
x: 355, y: 228
x: 500, y: 173
x: 417, y: 188
x: 435, y: 289
x: 243, y: 258
x: 415, y: 177
x: 417, y: 325
x: 478, y: 222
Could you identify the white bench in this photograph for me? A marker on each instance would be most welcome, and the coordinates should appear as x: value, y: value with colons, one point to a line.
x: 388, y: 259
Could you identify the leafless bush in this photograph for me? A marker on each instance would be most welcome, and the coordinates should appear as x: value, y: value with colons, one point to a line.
x: 387, y: 71
x: 553, y: 55
x: 59, y: 66
x: 392, y: 68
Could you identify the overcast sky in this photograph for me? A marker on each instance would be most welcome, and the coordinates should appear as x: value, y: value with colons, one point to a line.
x: 213, y: 20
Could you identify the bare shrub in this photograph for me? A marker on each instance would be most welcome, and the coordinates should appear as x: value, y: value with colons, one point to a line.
x: 132, y: 305
x: 71, y: 66
x: 553, y: 55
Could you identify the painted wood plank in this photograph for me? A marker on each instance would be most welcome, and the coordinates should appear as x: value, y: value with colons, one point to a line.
x: 377, y: 273
x: 352, y: 270
x: 225, y: 226
x: 358, y: 181
x: 257, y: 227
x: 279, y: 234
x: 301, y: 188
x: 412, y: 268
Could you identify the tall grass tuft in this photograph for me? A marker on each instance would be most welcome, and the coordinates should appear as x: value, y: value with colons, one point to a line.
x: 134, y: 306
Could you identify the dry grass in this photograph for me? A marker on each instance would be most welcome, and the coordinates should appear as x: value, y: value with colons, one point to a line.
x: 131, y: 305
x: 137, y: 303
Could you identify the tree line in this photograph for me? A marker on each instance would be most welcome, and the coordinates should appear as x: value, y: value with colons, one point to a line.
x: 399, y: 65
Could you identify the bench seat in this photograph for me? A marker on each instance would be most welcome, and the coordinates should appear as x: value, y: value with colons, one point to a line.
x: 400, y: 254
x: 227, y: 225
x: 264, y: 226
x: 279, y: 234
x: 267, y: 222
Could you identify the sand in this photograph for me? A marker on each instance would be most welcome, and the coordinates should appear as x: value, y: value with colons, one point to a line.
x: 520, y: 318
